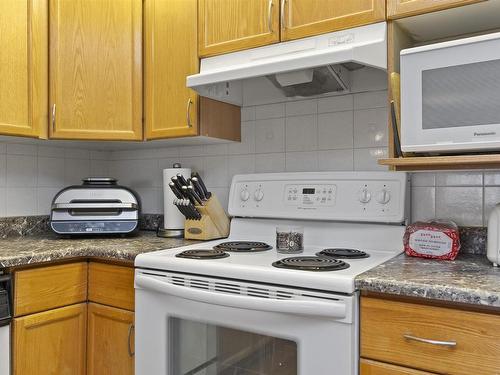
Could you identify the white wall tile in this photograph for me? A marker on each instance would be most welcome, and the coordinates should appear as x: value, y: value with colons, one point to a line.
x: 151, y: 199
x: 464, y: 205
x: 216, y: 171
x: 423, y: 203
x: 52, y: 152
x: 20, y: 201
x: 336, y: 160
x: 189, y: 151
x: 365, y: 159
x: 75, y: 170
x: 44, y: 197
x: 301, y: 107
x: 240, y: 164
x: 335, y: 130
x: 247, y: 114
x: 247, y: 144
x: 268, y: 111
x: 21, y: 171
x: 301, y: 133
x: 216, y: 149
x: 21, y: 149
x: 50, y: 172
x: 195, y: 163
x: 99, y: 155
x: 99, y: 168
x: 492, y: 178
x: 265, y: 163
x: 301, y: 161
x: 423, y: 179
x: 335, y: 104
x: 270, y: 135
x: 3, y: 169
x: 459, y: 179
x: 76, y: 153
x: 370, y: 127
x: 373, y: 99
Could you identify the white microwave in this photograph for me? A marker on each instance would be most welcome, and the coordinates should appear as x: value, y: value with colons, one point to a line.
x: 450, y: 96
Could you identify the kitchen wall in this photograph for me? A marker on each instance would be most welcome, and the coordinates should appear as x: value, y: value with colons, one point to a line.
x: 337, y: 133
x: 31, y: 174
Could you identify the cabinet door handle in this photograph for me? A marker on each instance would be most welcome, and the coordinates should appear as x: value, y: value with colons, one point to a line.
x: 270, y: 16
x: 429, y: 341
x: 283, y: 23
x: 131, y: 351
x: 188, y: 115
x: 53, y: 118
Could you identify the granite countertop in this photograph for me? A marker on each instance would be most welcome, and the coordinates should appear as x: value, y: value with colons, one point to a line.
x: 469, y: 279
x: 24, y: 250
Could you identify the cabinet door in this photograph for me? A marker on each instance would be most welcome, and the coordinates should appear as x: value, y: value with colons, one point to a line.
x: 233, y: 25
x: 368, y: 367
x: 95, y: 69
x: 23, y: 67
x: 406, y: 8
x: 52, y: 342
x: 110, y: 341
x: 170, y: 30
x: 301, y: 18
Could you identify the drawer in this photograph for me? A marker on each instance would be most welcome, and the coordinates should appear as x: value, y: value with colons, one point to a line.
x: 111, y: 285
x: 399, y: 333
x: 46, y: 288
x: 369, y: 367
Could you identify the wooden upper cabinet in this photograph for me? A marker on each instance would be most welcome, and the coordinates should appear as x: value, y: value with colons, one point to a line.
x: 96, y: 69
x: 406, y: 8
x: 303, y: 18
x: 51, y: 342
x: 110, y: 341
x: 171, y: 109
x: 233, y: 25
x: 23, y: 67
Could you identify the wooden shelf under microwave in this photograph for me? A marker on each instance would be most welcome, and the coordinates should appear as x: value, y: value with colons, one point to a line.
x: 416, y: 163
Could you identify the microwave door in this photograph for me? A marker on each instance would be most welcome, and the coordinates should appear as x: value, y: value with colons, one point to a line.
x: 186, y: 331
x: 450, y: 98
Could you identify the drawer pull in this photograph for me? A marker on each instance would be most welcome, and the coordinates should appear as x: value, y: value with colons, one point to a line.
x: 432, y: 342
x: 131, y: 330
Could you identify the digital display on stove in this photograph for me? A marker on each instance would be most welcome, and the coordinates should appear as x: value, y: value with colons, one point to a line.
x: 308, y: 191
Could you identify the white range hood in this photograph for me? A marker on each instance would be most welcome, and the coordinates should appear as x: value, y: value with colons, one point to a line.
x: 307, y: 67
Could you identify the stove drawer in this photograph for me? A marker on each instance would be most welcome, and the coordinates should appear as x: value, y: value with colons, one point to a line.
x: 429, y: 338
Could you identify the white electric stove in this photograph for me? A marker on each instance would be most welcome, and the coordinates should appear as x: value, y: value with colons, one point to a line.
x: 239, y: 309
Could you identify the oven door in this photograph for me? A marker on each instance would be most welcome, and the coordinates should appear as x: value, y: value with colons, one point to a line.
x: 194, y: 325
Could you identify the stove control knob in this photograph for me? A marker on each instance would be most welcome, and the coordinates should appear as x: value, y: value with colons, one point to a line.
x: 258, y: 195
x: 364, y: 195
x: 244, y: 195
x: 383, y: 196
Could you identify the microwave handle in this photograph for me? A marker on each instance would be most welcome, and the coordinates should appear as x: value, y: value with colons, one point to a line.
x: 331, y: 309
x: 83, y: 206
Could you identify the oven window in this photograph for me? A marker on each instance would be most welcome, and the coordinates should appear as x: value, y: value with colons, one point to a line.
x: 461, y: 95
x: 204, y: 349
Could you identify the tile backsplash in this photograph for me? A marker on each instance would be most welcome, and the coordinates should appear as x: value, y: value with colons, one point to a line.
x: 31, y: 175
x: 346, y: 132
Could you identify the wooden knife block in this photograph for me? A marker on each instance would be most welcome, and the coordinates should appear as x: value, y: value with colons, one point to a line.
x: 214, y: 222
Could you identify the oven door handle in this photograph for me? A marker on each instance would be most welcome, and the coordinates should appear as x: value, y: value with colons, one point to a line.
x: 330, y: 309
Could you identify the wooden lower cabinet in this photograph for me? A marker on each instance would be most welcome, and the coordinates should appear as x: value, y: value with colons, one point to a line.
x: 368, y: 367
x: 110, y: 341
x: 431, y: 338
x: 51, y: 342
